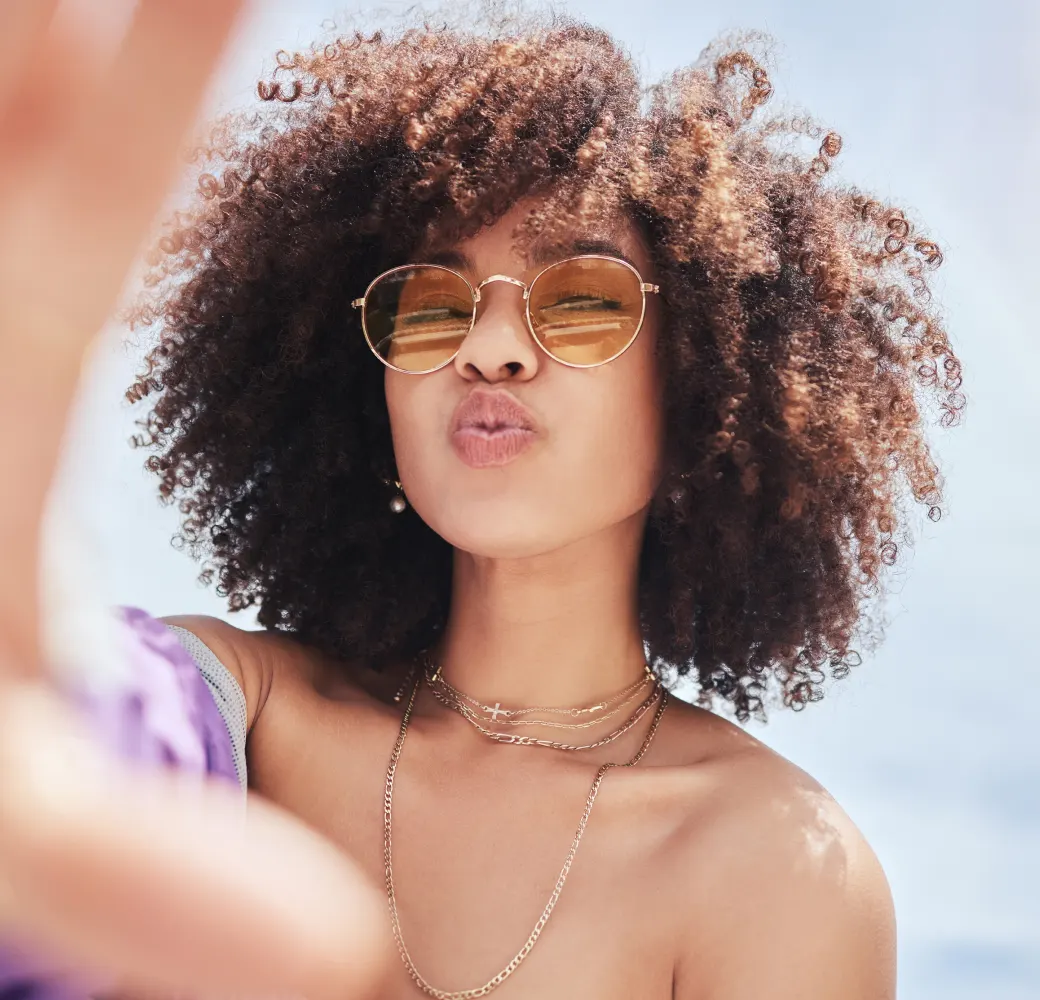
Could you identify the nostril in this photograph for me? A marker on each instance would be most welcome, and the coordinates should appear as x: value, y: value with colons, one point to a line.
x: 513, y: 366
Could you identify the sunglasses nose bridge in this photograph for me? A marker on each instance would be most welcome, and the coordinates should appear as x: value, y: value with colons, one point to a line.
x: 500, y: 277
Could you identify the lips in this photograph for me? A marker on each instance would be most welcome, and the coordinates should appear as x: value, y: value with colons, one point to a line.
x: 491, y: 427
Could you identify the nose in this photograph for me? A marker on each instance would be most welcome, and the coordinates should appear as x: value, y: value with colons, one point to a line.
x: 499, y: 347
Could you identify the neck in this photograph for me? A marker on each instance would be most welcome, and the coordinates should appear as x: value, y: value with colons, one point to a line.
x: 560, y: 628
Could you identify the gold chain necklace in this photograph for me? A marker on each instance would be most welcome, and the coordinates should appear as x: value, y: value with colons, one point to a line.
x: 510, y: 968
x: 509, y: 714
x: 553, y: 724
x: 512, y: 717
x: 532, y: 741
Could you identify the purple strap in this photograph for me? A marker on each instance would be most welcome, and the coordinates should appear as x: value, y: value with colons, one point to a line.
x: 168, y: 715
x: 164, y: 716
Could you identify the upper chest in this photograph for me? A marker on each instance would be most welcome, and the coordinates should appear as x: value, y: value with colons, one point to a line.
x: 479, y: 848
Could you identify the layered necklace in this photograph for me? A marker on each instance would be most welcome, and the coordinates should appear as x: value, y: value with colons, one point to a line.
x: 451, y: 697
x: 481, y: 717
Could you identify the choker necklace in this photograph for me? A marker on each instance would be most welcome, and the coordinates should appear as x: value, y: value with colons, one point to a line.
x: 467, y: 713
x: 551, y: 724
x: 510, y: 715
x: 511, y: 967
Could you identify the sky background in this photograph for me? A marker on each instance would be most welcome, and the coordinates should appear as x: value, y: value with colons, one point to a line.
x: 932, y: 745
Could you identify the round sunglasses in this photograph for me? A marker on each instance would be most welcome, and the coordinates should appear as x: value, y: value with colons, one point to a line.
x: 582, y: 311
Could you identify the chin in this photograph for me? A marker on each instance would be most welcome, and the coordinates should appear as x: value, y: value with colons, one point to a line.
x: 499, y: 531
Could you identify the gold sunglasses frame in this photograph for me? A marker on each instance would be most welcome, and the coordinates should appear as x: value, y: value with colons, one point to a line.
x: 644, y: 287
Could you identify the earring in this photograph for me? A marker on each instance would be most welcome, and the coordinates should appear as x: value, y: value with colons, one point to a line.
x: 398, y: 503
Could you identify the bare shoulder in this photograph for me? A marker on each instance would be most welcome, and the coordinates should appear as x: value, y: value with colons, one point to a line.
x: 246, y: 654
x: 799, y: 901
x: 270, y: 664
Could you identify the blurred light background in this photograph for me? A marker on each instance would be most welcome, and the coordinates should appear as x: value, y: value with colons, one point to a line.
x: 932, y: 745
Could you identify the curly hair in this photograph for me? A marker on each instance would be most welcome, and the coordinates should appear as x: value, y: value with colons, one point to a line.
x: 800, y: 352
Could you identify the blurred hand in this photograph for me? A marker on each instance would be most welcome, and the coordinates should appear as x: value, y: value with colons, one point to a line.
x: 89, y: 143
x: 145, y: 876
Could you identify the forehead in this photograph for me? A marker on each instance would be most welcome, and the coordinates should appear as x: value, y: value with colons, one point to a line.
x: 616, y: 237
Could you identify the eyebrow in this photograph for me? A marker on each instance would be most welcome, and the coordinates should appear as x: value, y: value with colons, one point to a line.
x: 582, y: 245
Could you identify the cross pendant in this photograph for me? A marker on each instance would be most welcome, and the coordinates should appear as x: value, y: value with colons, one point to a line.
x: 496, y: 711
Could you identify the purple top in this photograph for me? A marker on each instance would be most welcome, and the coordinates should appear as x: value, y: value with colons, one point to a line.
x: 164, y: 715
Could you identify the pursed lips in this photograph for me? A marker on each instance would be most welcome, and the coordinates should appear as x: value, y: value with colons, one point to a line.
x: 491, y: 427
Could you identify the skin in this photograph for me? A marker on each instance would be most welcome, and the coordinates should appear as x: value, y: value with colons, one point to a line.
x: 713, y: 869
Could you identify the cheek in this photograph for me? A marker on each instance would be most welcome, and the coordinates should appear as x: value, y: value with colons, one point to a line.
x: 415, y: 403
x: 613, y: 448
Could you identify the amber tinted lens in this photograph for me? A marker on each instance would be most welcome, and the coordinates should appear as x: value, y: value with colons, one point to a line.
x: 416, y: 317
x: 587, y: 310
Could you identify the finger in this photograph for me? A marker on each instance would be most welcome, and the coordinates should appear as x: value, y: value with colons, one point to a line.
x: 121, y: 161
x: 23, y: 25
x: 38, y: 73
x: 163, y: 883
x: 53, y: 78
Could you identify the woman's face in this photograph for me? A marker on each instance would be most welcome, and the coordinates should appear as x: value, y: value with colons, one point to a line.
x: 591, y: 455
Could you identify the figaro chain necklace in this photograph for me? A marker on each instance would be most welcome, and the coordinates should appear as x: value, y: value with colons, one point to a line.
x: 513, y: 964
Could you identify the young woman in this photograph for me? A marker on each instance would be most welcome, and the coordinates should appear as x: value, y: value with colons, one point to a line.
x: 514, y: 402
